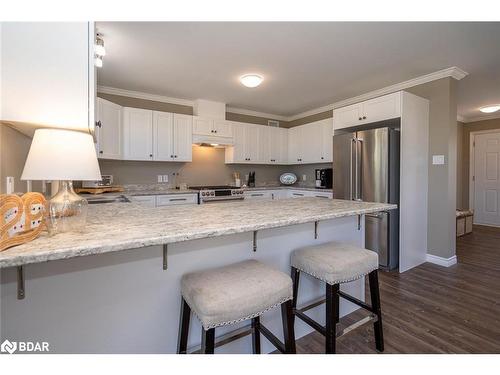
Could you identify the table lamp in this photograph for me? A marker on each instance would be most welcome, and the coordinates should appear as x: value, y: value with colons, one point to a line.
x: 64, y: 156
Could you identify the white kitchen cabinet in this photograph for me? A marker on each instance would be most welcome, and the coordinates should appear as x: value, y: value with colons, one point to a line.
x: 137, y: 134
x: 176, y: 199
x: 183, y: 137
x: 378, y: 109
x: 258, y: 194
x: 299, y: 193
x: 246, y: 144
x: 48, y: 74
x: 213, y: 127
x: 163, y: 136
x: 277, y: 145
x: 327, y: 141
x: 144, y: 200
x: 305, y: 143
x: 318, y: 194
x: 294, y: 145
x: 109, y: 129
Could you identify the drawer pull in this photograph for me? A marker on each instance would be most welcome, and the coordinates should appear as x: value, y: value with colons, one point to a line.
x: 177, y: 199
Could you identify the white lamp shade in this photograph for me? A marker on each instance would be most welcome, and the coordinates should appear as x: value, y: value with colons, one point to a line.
x: 57, y: 154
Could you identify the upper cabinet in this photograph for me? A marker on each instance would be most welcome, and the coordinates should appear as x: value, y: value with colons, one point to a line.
x: 247, y: 144
x: 207, y: 126
x: 108, y: 129
x: 373, y: 110
x: 277, y: 145
x: 310, y: 143
x: 48, y: 75
x: 137, y: 134
x: 182, y: 139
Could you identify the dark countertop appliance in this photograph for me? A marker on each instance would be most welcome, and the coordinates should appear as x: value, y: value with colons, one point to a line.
x: 324, y: 178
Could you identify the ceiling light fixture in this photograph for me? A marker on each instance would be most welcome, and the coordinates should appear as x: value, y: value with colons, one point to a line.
x: 251, y: 80
x: 490, y: 108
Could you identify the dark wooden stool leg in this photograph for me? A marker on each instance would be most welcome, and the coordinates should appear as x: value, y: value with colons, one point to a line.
x: 256, y: 335
x: 288, y: 327
x: 208, y: 341
x: 332, y: 312
x: 295, y: 275
x: 183, y: 327
x: 375, y: 299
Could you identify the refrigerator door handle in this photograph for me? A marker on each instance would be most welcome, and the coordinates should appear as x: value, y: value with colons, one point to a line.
x: 350, y: 171
x: 358, y: 168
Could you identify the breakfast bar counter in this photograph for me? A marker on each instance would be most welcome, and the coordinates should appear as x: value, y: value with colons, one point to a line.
x: 115, y: 289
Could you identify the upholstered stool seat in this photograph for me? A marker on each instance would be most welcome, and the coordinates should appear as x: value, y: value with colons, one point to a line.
x: 234, y: 293
x: 335, y: 262
x: 237, y: 292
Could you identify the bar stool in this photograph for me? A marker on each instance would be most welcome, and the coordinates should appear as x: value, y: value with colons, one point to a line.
x: 232, y: 294
x: 336, y: 263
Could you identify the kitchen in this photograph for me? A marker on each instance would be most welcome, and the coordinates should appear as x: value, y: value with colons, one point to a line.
x: 201, y: 183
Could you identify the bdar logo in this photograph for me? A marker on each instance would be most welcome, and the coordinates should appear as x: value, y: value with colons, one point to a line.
x: 8, y: 347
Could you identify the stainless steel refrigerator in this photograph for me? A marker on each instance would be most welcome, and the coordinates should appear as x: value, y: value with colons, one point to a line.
x: 366, y: 168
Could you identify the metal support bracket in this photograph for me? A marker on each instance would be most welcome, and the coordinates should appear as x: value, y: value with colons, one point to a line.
x: 316, y: 230
x: 165, y: 256
x: 254, y: 240
x: 20, y: 282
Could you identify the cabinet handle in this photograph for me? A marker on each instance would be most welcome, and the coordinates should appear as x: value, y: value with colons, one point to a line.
x: 215, y: 131
x: 172, y: 156
x: 150, y: 155
x: 360, y: 118
x: 98, y: 124
x: 100, y: 152
x: 322, y: 158
x: 175, y: 156
x: 364, y: 117
x: 257, y: 195
x: 177, y: 199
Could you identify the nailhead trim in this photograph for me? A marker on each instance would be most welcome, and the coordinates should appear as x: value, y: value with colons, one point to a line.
x: 353, y: 278
x: 240, y: 319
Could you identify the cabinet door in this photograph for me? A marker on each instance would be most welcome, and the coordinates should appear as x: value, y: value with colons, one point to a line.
x: 327, y: 141
x: 138, y: 134
x: 347, y: 116
x: 109, y: 129
x: 382, y: 108
x: 252, y: 142
x: 264, y: 155
x: 311, y: 142
x: 223, y: 128
x: 163, y: 139
x: 273, y: 143
x: 176, y: 199
x: 258, y: 194
x: 236, y: 153
x: 144, y: 200
x: 183, y: 137
x: 294, y: 145
x: 203, y: 126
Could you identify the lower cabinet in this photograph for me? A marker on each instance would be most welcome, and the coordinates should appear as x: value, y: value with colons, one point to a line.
x: 164, y: 200
x: 285, y: 193
x: 259, y: 194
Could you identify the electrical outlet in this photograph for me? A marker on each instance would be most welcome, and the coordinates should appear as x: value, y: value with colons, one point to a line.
x: 304, y: 177
x: 165, y: 178
x: 160, y: 178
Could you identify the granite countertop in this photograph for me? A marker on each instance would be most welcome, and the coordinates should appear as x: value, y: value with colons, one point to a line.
x: 120, y: 226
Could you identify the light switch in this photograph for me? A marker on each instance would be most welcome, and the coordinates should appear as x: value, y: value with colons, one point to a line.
x: 304, y: 177
x: 165, y: 178
x: 160, y: 178
x: 438, y: 159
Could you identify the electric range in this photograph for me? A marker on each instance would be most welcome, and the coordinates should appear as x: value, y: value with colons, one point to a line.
x: 221, y: 193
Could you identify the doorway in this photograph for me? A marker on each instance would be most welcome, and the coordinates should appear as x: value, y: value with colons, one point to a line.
x: 484, y: 192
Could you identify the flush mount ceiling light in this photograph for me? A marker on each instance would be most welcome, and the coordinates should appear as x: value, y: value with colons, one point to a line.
x: 251, y: 80
x: 490, y: 108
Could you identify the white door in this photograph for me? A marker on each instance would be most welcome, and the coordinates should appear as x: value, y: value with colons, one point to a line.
x: 108, y: 130
x: 183, y: 137
x: 223, y: 128
x: 137, y: 134
x: 163, y: 140
x: 327, y: 140
x: 347, y: 116
x: 252, y: 142
x: 486, y: 179
x: 294, y: 145
x: 203, y: 126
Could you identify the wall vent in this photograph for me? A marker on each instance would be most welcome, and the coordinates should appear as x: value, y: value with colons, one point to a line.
x: 274, y: 123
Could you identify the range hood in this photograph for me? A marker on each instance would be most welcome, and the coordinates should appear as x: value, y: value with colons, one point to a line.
x: 212, y: 141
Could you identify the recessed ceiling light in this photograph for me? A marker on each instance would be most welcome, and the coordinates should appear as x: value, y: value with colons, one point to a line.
x: 251, y: 80
x: 490, y: 108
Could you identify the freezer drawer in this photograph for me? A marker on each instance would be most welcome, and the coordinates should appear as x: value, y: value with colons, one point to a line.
x: 377, y: 236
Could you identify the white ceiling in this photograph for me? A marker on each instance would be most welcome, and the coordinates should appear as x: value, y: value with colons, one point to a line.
x: 305, y: 65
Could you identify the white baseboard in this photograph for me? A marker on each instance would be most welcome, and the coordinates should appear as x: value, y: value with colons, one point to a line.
x: 445, y: 262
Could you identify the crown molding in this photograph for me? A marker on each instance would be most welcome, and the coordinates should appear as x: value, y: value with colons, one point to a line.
x: 311, y: 112
x: 249, y: 112
x: 494, y: 116
x: 461, y: 118
x: 452, y: 72
x: 143, y: 95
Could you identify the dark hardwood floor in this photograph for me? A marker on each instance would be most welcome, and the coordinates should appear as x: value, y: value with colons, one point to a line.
x: 433, y: 309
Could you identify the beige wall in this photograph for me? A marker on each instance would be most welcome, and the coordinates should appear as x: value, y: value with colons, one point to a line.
x: 14, y: 147
x: 442, y: 178
x: 126, y: 101
x: 311, y: 118
x: 464, y: 153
